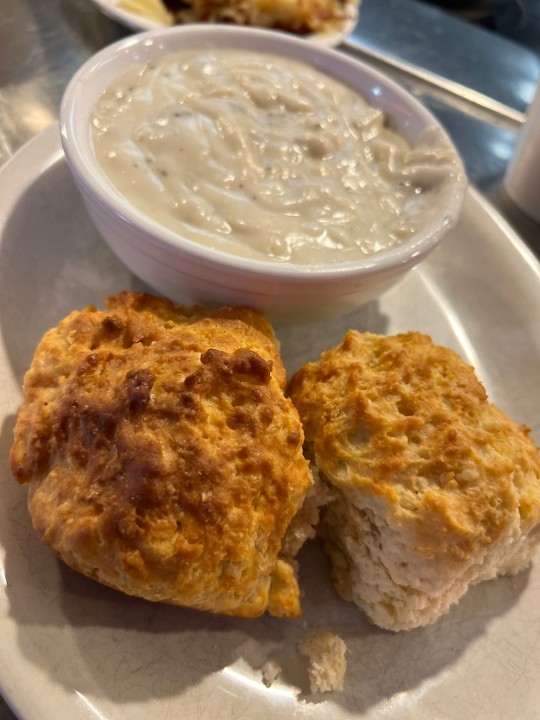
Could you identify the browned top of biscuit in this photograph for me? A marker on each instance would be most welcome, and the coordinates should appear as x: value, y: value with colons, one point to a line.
x: 409, y: 423
x: 161, y: 454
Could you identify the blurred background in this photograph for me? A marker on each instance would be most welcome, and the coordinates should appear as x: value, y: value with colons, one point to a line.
x: 515, y: 19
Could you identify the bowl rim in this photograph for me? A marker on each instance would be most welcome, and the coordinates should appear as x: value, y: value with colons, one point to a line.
x: 93, y: 180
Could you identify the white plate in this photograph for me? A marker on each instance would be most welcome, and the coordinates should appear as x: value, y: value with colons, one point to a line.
x: 135, y: 21
x: 71, y: 648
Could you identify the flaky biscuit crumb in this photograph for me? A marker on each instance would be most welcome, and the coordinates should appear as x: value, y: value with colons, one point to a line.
x: 326, y: 653
x: 270, y: 670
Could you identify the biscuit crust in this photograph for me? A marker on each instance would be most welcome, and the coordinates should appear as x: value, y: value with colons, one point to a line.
x: 161, y: 455
x: 434, y: 488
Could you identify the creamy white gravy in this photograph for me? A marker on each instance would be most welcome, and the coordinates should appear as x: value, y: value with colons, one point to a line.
x: 264, y: 157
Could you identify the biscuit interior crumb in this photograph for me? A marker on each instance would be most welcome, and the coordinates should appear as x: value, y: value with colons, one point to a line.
x: 270, y: 670
x: 327, y: 662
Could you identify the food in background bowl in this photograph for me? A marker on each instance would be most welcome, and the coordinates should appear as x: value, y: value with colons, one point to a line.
x: 298, y: 16
x: 185, y: 270
x: 153, y: 10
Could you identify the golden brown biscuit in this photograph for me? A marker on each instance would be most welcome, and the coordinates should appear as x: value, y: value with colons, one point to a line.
x: 434, y: 489
x: 161, y: 455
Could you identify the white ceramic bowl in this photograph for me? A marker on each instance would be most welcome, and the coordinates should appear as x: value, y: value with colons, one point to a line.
x: 190, y: 273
